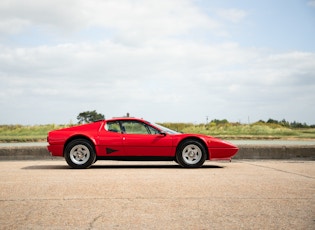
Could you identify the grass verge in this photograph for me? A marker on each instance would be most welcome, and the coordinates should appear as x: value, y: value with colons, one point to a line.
x: 37, y: 133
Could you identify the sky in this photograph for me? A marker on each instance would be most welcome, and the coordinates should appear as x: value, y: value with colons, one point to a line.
x: 164, y: 61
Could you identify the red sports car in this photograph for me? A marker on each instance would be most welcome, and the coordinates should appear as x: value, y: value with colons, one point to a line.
x: 134, y: 139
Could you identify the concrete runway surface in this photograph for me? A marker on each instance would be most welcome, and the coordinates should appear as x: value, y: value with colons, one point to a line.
x: 261, y: 194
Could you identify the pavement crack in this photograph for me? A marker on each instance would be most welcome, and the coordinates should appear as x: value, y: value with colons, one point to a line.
x: 91, y: 224
x: 280, y: 170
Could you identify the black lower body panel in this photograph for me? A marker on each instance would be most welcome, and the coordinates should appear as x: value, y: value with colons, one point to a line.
x: 139, y: 158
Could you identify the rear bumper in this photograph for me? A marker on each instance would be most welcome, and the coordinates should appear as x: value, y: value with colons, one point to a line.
x: 55, y: 150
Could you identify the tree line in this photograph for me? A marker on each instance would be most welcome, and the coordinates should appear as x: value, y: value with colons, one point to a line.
x: 288, y: 124
x: 282, y: 122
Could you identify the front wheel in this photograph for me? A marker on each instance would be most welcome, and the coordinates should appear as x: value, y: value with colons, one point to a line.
x: 80, y: 154
x: 191, y: 154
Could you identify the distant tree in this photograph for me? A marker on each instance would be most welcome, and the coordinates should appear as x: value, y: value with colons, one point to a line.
x: 295, y: 124
x: 272, y: 121
x: 89, y: 116
x: 219, y: 122
x: 287, y: 124
x: 284, y: 123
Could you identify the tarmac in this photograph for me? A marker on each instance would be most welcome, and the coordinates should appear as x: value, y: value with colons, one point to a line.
x: 242, y: 194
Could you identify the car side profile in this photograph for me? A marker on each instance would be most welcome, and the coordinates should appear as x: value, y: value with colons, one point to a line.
x: 134, y: 139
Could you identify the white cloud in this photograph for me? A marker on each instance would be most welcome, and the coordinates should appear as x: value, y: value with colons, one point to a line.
x: 167, y: 75
x: 129, y: 20
x: 232, y: 15
x: 13, y: 25
x: 62, y: 14
x: 311, y: 3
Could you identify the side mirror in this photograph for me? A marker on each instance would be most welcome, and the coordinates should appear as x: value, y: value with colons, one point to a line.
x: 163, y: 133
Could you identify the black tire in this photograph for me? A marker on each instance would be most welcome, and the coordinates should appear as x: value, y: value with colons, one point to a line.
x: 191, y: 154
x: 80, y: 154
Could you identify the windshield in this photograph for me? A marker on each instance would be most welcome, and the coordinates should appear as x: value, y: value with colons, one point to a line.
x: 167, y: 130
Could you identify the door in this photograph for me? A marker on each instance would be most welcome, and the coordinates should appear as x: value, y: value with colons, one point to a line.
x: 140, y: 139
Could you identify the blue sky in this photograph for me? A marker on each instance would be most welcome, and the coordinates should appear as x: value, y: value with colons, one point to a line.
x: 280, y: 25
x: 165, y: 61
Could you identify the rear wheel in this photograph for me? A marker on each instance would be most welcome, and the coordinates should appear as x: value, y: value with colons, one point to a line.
x: 80, y: 154
x: 191, y: 154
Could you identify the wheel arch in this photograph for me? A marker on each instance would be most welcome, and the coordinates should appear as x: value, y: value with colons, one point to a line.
x: 192, y: 138
x: 79, y: 136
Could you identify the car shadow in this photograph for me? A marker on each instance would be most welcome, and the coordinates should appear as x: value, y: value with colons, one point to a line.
x: 125, y: 166
x: 41, y: 167
x: 149, y: 167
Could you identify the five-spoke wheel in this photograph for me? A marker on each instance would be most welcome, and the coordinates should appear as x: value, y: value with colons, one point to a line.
x: 80, y: 154
x: 191, y: 154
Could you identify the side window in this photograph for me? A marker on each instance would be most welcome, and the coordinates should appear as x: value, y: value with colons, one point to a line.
x: 134, y: 127
x: 153, y: 130
x: 113, y: 126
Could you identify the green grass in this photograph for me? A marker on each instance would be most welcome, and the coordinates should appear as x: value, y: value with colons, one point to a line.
x: 19, y: 133
x: 306, y: 133
x: 36, y: 133
x: 243, y: 131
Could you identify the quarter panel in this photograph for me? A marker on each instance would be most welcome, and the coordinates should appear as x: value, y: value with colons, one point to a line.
x: 110, y: 143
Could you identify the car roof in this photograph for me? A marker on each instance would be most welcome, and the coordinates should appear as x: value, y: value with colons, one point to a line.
x: 125, y: 119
